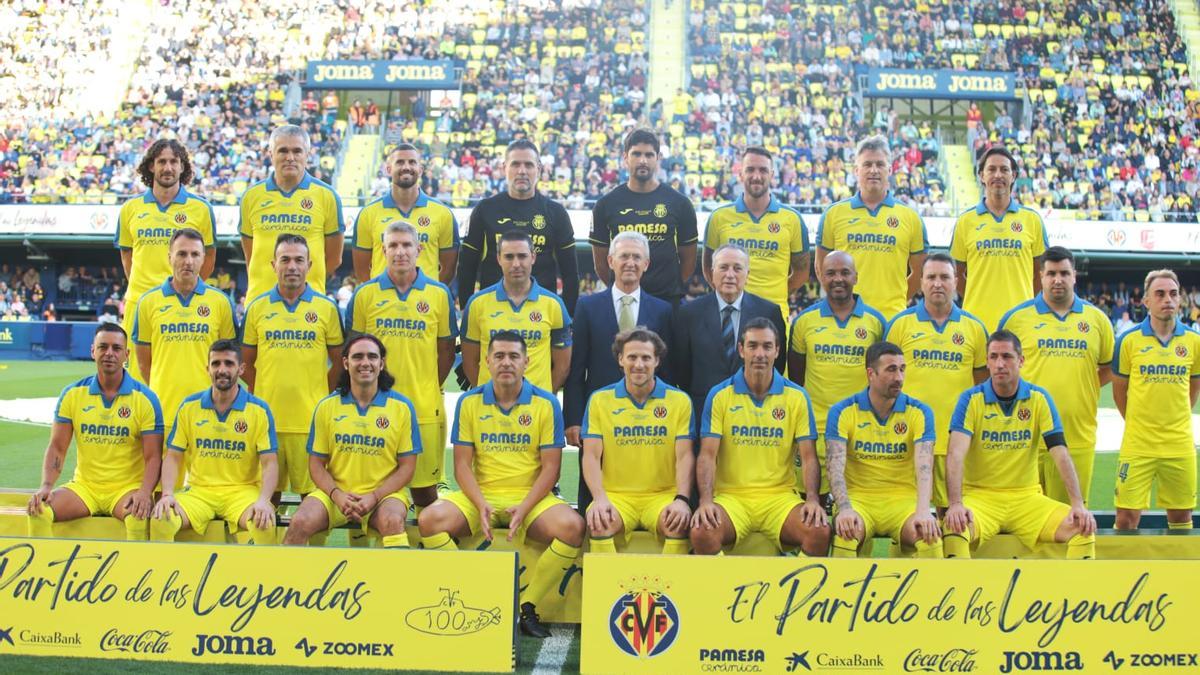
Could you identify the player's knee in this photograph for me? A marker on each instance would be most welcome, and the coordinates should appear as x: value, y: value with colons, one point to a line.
x: 432, y: 520
x: 391, y: 522
x: 302, y: 526
x: 571, y: 527
x: 705, y: 541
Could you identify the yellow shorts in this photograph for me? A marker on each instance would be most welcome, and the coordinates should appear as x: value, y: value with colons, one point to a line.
x: 820, y: 444
x: 764, y: 512
x: 1176, y: 478
x: 101, y: 498
x: 501, y: 499
x: 292, y: 457
x: 1052, y: 483
x: 206, y: 504
x: 1024, y: 513
x: 939, y: 498
x: 639, y: 510
x: 884, y: 513
x: 432, y: 458
x: 337, y: 518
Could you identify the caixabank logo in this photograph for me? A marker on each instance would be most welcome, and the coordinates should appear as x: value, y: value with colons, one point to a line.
x: 644, y: 621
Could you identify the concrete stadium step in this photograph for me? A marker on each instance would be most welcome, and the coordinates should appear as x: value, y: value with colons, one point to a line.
x: 668, y: 51
x: 963, y: 188
x: 361, y: 161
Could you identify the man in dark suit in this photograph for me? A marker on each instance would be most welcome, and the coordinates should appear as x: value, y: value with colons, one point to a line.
x: 704, y: 332
x: 598, y: 319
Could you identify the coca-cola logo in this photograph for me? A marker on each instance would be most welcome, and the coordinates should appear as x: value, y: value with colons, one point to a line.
x: 146, y: 642
x: 951, y: 661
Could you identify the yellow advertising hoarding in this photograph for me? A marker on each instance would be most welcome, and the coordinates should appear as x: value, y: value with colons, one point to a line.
x: 199, y: 603
x: 658, y: 614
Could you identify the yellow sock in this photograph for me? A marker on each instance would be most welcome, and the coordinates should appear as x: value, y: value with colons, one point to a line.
x: 165, y: 529
x: 261, y: 536
x: 956, y: 545
x: 1179, y: 526
x: 396, y: 540
x: 933, y: 550
x: 555, y: 561
x: 844, y: 548
x: 136, y: 529
x: 1080, y: 547
x: 439, y: 542
x: 602, y: 544
x: 673, y: 546
x: 41, y: 525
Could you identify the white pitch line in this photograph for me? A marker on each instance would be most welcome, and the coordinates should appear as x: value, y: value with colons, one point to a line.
x: 553, y: 653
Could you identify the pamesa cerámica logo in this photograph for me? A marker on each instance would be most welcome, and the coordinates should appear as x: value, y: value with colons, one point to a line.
x: 644, y: 621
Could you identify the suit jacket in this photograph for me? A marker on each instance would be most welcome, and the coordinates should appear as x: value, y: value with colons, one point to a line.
x: 592, y: 364
x: 698, y: 360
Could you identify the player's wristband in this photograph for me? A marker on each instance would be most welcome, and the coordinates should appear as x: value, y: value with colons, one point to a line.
x: 682, y: 498
x: 335, y: 489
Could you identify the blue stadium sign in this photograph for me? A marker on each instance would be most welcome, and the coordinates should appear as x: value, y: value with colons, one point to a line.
x: 955, y: 84
x: 405, y: 74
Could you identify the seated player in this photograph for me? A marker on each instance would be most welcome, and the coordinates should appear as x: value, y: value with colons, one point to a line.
x: 117, y: 425
x: 753, y: 425
x: 508, y: 440
x: 227, y: 436
x: 992, y: 463
x: 879, y: 441
x: 363, y: 449
x: 637, y: 451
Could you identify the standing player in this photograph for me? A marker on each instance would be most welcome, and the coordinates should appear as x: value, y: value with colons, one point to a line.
x: 1157, y: 368
x: 999, y: 244
x: 945, y: 353
x: 117, y: 425
x: 744, y: 471
x: 411, y: 315
x: 508, y: 440
x: 828, y: 350
x: 526, y: 210
x: 518, y: 303
x: 637, y: 451
x: 228, y: 435
x: 658, y: 211
x: 146, y: 223
x: 291, y: 346
x: 176, y: 323
x: 880, y: 448
x: 362, y: 449
x: 290, y: 201
x: 1068, y: 352
x: 434, y: 221
x: 992, y: 464
x: 773, y: 234
x: 886, y: 238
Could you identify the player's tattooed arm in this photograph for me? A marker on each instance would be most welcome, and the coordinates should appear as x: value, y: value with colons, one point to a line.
x: 835, y: 457
x: 924, y: 469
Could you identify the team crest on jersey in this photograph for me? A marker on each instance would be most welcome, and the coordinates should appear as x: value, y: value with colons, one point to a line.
x: 660, y: 411
x: 539, y: 222
x: 773, y: 227
x: 422, y: 307
x: 779, y: 413
x: 860, y: 333
x: 382, y: 422
x: 240, y: 426
x: 958, y: 339
x: 203, y: 311
x: 535, y: 316
x: 1083, y: 327
x: 124, y: 412
x: 893, y: 222
x: 423, y: 221
x: 525, y: 419
x: 1024, y: 414
x: 643, y: 622
x: 1017, y: 227
x: 181, y: 218
x: 900, y: 428
x: 1181, y: 351
x: 660, y: 210
x: 310, y: 317
x: 306, y: 204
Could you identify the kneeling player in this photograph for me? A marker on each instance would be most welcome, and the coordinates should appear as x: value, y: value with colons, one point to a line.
x: 876, y: 440
x: 117, y: 425
x: 508, y: 440
x: 992, y: 463
x: 228, y: 436
x: 637, y: 451
x: 363, y: 449
x: 753, y: 424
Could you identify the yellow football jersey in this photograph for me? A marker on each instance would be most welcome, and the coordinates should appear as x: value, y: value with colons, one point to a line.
x: 223, y: 450
x: 362, y: 444
x: 880, y: 453
x: 757, y: 437
x: 835, y: 353
x: 292, y: 343
x: 108, y: 434
x: 771, y: 241
x: 409, y: 325
x: 999, y: 254
x: 880, y: 242
x: 542, y: 320
x: 1158, y: 410
x: 508, y: 443
x: 146, y: 228
x: 639, y: 439
x: 1062, y: 354
x: 1003, y: 454
x: 437, y: 230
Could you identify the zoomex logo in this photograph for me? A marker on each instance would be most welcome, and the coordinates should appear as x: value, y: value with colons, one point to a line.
x: 1021, y: 661
x: 243, y: 645
x: 146, y: 642
x: 644, y: 622
x: 951, y: 661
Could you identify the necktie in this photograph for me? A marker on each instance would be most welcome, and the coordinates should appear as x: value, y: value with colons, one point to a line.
x: 625, y: 318
x: 727, y: 333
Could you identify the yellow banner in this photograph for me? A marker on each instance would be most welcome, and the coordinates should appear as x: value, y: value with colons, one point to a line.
x: 660, y: 614
x: 357, y: 608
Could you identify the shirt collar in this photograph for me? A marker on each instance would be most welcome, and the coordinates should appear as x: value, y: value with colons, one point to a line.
x: 239, y: 403
x: 736, y: 304
x: 856, y: 201
x: 168, y: 289
x: 1044, y: 308
x: 1148, y: 329
x: 989, y: 394
x: 1013, y: 206
x: 534, y: 291
x: 863, y: 400
x: 826, y: 310
x: 660, y: 389
x: 526, y: 395
x: 390, y: 203
x: 923, y: 313
x: 181, y: 197
x: 306, y: 296
x: 125, y: 388
x: 741, y: 387
x: 739, y: 205
x: 379, y: 401
x: 304, y: 184
x: 618, y: 293
x: 385, y: 281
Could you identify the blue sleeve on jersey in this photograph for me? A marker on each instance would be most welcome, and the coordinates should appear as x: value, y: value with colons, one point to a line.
x: 171, y: 437
x: 559, y: 437
x: 58, y: 416
x: 924, y: 235
x: 834, y: 418
x: 158, y: 413
x: 466, y: 314
x: 561, y: 337
x: 312, y: 432
x: 930, y: 428
x: 274, y: 440
x: 337, y: 204
x: 1116, y: 355
x: 821, y: 230
x: 454, y: 228
x: 587, y: 410
x: 706, y: 417
x: 1057, y: 421
x: 358, y: 232
x: 812, y: 421
x: 414, y: 429
x: 454, y: 436
x: 958, y: 422
x: 348, y: 328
